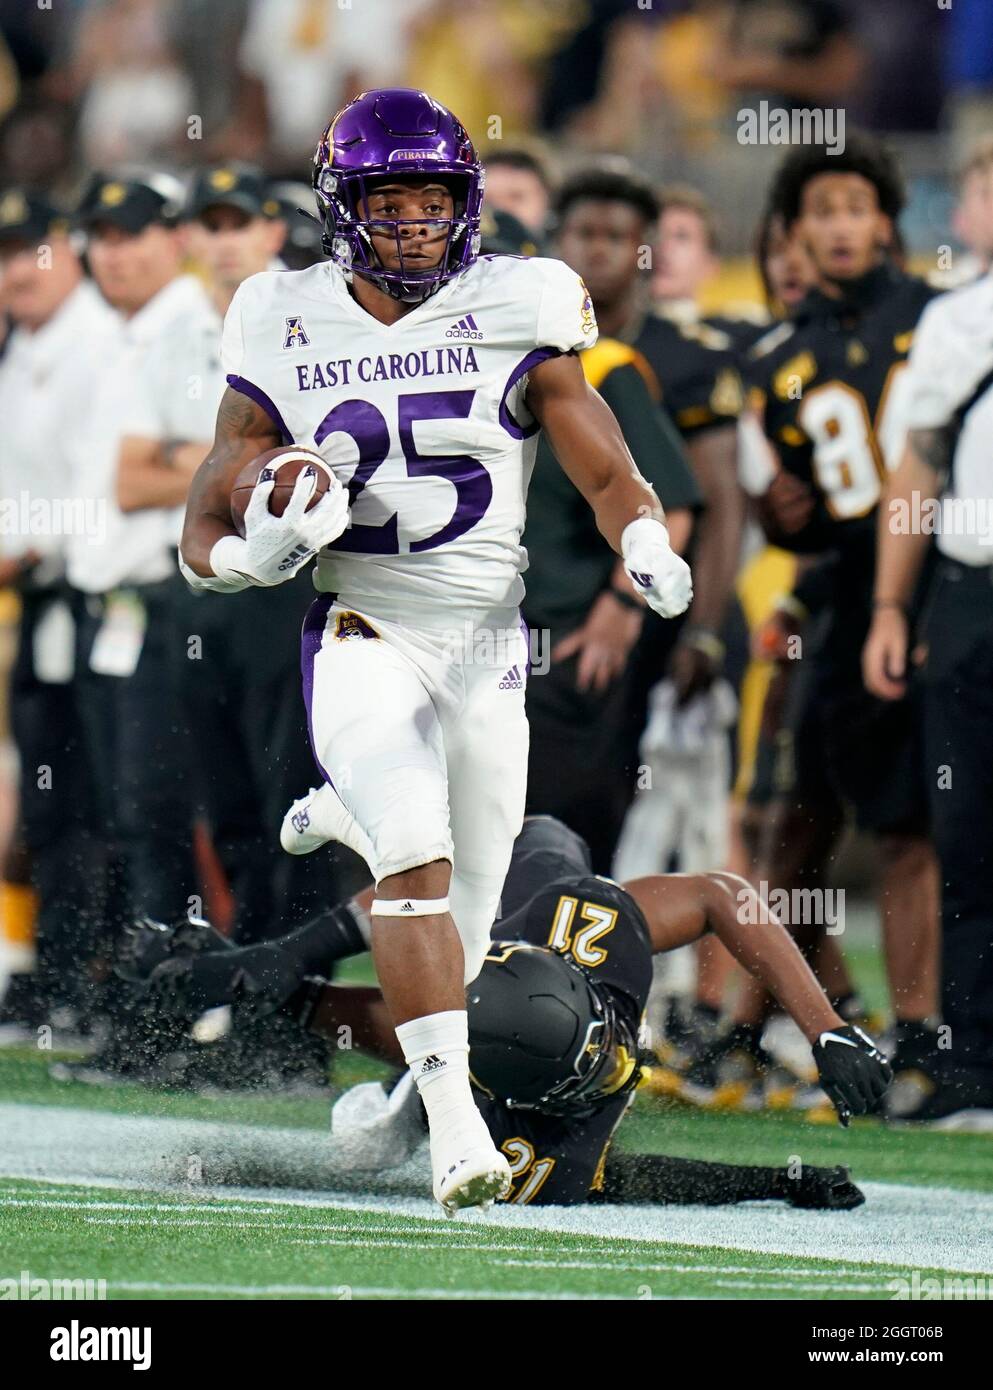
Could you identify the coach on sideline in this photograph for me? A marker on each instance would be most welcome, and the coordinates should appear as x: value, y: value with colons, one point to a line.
x: 55, y: 314
x: 237, y: 663
x: 127, y: 572
x: 950, y: 419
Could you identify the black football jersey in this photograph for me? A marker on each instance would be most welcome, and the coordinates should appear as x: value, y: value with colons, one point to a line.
x: 831, y: 388
x: 558, y: 1159
x: 744, y: 333
x: 697, y: 372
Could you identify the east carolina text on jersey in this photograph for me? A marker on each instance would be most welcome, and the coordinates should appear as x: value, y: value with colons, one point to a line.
x: 433, y: 439
x: 394, y: 366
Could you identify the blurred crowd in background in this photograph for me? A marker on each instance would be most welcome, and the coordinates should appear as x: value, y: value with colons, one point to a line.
x: 87, y: 84
x: 175, y: 137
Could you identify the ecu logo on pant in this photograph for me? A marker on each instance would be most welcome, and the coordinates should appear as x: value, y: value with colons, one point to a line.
x: 348, y: 625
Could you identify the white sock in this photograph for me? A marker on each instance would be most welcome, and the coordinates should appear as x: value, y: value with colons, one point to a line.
x: 436, y: 1048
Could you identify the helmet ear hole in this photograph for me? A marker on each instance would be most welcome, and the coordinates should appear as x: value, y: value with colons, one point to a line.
x: 541, y: 1035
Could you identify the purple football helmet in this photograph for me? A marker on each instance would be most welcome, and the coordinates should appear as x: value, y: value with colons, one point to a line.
x: 402, y: 133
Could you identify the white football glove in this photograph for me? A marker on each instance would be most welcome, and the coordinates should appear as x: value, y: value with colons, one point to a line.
x: 275, y: 547
x: 655, y: 569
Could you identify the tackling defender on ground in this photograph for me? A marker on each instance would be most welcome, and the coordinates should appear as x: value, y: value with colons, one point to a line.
x: 555, y: 1020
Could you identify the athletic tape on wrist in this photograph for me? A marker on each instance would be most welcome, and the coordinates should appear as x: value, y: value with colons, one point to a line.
x: 408, y: 907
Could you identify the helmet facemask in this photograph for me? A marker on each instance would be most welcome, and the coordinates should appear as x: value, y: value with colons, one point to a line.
x: 605, y: 1065
x: 349, y: 229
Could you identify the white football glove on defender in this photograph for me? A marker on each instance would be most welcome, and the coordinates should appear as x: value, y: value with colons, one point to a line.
x: 275, y: 547
x: 655, y: 569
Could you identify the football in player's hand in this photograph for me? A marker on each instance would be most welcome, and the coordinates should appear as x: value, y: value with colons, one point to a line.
x: 285, y: 464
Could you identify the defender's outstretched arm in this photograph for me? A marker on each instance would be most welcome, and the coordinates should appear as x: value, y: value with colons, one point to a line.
x: 680, y: 908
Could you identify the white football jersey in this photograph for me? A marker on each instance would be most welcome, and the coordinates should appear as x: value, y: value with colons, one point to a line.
x: 424, y: 420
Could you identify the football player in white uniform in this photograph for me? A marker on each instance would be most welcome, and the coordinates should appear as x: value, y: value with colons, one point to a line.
x: 422, y: 373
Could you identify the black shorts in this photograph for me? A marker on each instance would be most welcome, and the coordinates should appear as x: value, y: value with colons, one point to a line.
x: 838, y: 742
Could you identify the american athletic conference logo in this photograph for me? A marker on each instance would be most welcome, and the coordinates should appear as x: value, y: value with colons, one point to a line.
x: 465, y: 328
x: 512, y: 680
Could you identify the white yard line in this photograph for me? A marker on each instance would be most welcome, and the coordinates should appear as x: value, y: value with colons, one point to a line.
x: 340, y: 1291
x: 899, y: 1227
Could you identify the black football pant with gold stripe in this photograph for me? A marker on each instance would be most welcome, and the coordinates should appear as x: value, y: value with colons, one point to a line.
x: 959, y: 724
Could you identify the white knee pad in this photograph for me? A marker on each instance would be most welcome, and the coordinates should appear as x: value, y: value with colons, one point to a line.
x: 474, y: 901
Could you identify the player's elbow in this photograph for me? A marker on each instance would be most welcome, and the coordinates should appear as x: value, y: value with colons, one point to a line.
x: 725, y: 893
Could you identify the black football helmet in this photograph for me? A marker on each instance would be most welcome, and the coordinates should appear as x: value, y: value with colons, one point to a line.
x: 543, y: 1036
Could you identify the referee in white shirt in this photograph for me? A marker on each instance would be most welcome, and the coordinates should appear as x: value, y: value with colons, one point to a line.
x: 943, y: 491
x: 128, y: 702
x: 55, y: 849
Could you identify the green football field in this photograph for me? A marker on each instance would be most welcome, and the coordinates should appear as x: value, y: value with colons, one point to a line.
x: 177, y: 1196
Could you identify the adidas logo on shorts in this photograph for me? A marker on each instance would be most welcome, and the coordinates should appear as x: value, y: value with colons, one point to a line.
x: 512, y: 680
x: 465, y: 328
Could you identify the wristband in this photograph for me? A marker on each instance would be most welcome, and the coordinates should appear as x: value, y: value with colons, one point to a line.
x: 626, y: 600
x: 225, y: 579
x: 644, y: 528
x: 702, y: 640
x: 791, y: 605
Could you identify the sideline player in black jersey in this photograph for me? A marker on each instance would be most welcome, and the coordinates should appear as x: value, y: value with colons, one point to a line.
x: 776, y: 588
x: 606, y: 225
x: 830, y: 395
x: 554, y: 1017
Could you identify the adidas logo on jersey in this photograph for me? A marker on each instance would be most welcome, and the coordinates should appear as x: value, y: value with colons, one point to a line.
x: 465, y: 328
x: 431, y: 1064
x: 512, y: 680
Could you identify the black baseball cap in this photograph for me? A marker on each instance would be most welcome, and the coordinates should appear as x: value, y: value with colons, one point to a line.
x: 232, y: 186
x: 28, y: 217
x: 130, y: 203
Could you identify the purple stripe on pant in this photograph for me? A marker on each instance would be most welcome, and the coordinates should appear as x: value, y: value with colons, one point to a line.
x: 311, y: 640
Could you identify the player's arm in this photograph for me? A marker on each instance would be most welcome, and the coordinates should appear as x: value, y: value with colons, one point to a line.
x: 243, y: 431
x: 156, y: 472
x: 900, y: 555
x: 587, y: 441
x: 274, y: 548
x: 699, y: 653
x: 681, y: 908
x: 662, y: 1181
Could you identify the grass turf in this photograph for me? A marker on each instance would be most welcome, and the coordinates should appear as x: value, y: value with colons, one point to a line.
x: 154, y: 1246
x: 201, y: 1244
